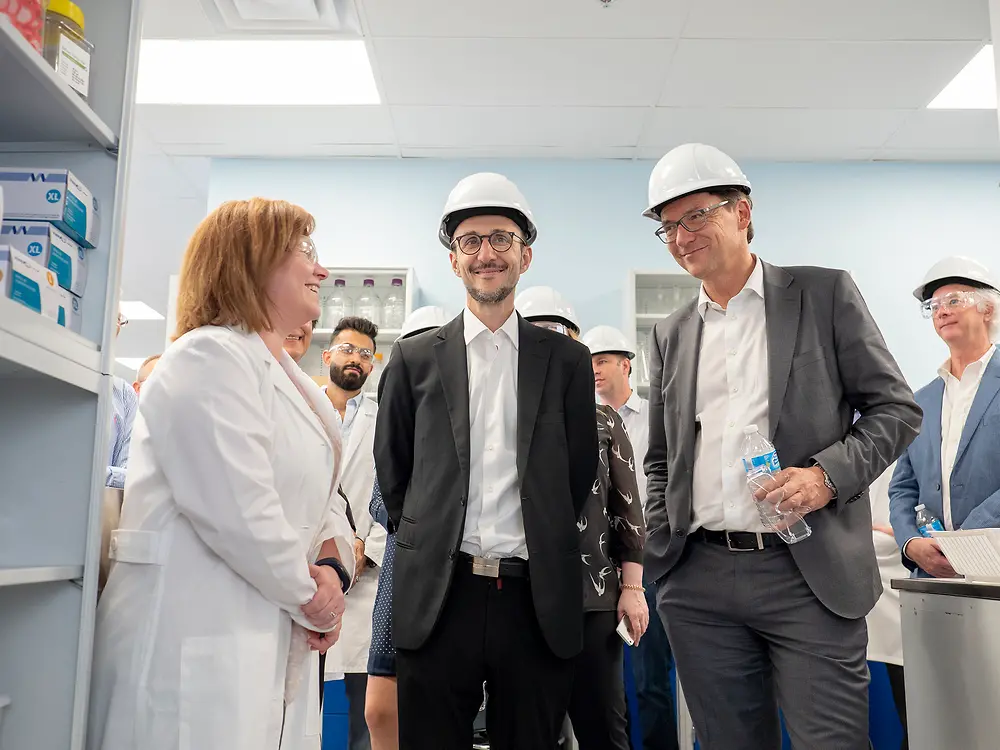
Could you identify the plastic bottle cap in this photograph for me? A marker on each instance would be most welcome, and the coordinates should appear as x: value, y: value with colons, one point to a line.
x: 921, y: 507
x: 369, y: 282
x: 68, y: 10
x: 750, y: 429
x: 397, y: 282
x: 339, y: 282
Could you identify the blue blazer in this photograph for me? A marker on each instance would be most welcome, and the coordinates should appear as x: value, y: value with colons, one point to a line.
x: 975, y: 478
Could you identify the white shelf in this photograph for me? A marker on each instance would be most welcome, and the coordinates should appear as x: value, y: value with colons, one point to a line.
x: 38, y: 106
x: 383, y: 333
x: 22, y: 576
x: 29, y: 341
x: 650, y: 318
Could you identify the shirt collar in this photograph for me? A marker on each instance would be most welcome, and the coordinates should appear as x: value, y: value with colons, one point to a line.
x: 474, y: 327
x: 754, y: 284
x: 945, y: 369
x: 634, y: 403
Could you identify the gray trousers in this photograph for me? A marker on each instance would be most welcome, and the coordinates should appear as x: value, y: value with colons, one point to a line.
x: 750, y: 637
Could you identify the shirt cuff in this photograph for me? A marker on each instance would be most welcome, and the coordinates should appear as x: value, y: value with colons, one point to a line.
x: 115, y: 478
x: 905, y: 544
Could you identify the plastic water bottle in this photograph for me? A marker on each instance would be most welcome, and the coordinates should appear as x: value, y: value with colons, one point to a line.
x: 927, y: 521
x: 394, y: 307
x: 760, y: 461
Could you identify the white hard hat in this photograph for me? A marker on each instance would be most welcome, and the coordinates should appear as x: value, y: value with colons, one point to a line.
x: 956, y: 269
x: 691, y: 168
x: 423, y: 319
x: 545, y: 303
x: 486, y: 193
x: 606, y: 339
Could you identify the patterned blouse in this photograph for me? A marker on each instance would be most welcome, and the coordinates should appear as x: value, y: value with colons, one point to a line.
x: 611, y: 527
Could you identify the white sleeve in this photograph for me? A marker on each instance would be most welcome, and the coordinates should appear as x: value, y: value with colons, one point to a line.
x: 211, y: 435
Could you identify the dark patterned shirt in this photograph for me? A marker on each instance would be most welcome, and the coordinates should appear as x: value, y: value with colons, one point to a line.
x: 611, y: 526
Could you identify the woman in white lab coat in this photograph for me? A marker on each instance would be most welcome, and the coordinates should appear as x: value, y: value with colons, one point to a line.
x: 885, y: 637
x: 213, y: 603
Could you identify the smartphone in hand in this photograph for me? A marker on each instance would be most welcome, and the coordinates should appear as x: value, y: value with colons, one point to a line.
x: 623, y: 631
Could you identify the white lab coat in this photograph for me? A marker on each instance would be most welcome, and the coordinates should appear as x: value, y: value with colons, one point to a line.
x: 231, y: 490
x: 885, y: 637
x: 350, y: 653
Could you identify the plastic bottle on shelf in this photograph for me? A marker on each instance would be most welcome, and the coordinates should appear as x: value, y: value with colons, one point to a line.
x: 394, y: 307
x: 337, y: 305
x: 368, y: 304
x: 65, y: 47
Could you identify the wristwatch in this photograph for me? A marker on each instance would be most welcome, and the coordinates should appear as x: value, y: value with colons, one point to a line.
x: 337, y: 565
x: 829, y: 482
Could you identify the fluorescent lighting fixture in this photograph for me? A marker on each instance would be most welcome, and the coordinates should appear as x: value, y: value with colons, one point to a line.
x: 233, y: 72
x: 132, y: 363
x: 138, y: 311
x: 975, y: 87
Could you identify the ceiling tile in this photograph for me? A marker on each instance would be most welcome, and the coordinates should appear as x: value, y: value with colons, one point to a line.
x: 831, y: 75
x: 974, y: 129
x: 518, y: 126
x: 174, y: 124
x: 954, y: 154
x: 553, y: 72
x: 576, y: 19
x: 844, y: 20
x: 176, y: 19
x: 773, y: 133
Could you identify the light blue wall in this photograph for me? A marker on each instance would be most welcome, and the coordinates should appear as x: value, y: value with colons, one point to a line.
x: 885, y: 222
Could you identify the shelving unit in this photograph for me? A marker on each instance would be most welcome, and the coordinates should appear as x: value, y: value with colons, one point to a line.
x: 312, y: 363
x: 653, y: 296
x: 55, y: 388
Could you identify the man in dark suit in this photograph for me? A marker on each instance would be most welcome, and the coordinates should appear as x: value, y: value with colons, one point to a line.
x: 485, y: 451
x: 756, y: 624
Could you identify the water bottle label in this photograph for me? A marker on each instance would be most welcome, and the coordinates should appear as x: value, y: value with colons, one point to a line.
x: 764, y: 463
x: 927, y: 528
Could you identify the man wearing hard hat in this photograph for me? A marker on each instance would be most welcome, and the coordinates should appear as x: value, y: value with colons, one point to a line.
x: 612, y: 354
x: 756, y: 624
x: 486, y: 451
x: 951, y: 468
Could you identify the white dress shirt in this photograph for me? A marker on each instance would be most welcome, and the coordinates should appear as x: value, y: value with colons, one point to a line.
x: 635, y: 415
x: 494, y: 526
x: 955, y: 405
x: 731, y: 393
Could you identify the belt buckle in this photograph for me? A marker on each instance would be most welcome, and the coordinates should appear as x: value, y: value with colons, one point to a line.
x: 486, y: 566
x: 731, y: 548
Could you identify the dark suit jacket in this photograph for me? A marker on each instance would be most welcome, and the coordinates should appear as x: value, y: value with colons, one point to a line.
x: 975, y: 478
x: 422, y: 463
x: 826, y: 359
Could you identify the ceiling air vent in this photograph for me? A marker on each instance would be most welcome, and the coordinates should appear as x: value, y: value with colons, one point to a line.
x: 299, y: 17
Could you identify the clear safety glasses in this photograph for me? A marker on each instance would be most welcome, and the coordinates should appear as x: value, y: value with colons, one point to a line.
x: 950, y: 302
x: 691, y: 221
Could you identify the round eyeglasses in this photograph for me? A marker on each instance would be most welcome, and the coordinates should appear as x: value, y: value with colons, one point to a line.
x: 500, y: 241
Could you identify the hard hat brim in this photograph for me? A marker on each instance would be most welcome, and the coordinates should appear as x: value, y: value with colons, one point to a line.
x: 707, y: 186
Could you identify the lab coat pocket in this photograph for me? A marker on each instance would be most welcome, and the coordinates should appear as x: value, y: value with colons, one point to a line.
x: 228, y: 693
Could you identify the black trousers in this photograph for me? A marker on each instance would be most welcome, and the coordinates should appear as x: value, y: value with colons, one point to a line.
x: 597, y: 705
x: 898, y: 686
x: 487, y: 632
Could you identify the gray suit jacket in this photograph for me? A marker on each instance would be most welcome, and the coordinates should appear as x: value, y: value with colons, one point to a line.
x: 826, y: 359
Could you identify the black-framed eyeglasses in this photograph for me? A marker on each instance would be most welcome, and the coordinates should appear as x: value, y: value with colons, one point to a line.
x: 499, y: 240
x: 365, y: 355
x: 691, y: 221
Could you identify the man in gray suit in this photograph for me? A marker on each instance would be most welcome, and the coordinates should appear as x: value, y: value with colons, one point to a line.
x: 756, y: 624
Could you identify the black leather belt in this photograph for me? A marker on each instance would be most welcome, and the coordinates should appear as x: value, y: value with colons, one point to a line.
x: 741, y: 541
x: 494, y: 567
